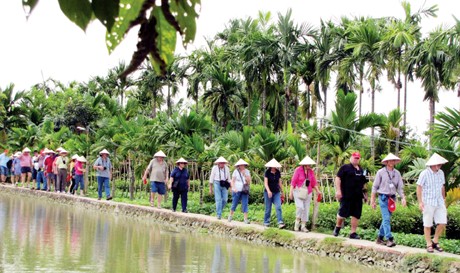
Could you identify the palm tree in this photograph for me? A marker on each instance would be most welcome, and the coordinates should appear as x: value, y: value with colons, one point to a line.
x: 15, y: 113
x: 150, y: 86
x: 390, y: 128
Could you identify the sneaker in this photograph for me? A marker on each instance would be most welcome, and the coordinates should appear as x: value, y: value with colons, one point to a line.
x: 355, y: 236
x: 230, y: 218
x: 98, y: 198
x: 266, y: 225
x: 304, y: 229
x: 281, y: 225
x: 185, y: 211
x: 109, y: 198
x: 336, y: 231
x: 380, y: 241
x: 246, y: 221
x: 390, y: 243
x: 296, y: 225
x: 219, y: 217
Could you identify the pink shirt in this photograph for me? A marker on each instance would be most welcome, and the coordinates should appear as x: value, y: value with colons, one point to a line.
x: 78, y: 165
x: 299, y: 177
x: 26, y: 161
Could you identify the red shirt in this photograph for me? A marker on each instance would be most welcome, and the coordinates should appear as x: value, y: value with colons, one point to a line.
x: 78, y: 165
x: 49, y: 164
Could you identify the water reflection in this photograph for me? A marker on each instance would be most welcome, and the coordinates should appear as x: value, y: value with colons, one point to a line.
x: 39, y: 236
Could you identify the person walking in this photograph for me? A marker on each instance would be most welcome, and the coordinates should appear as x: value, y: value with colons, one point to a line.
x: 219, y: 181
x: 49, y: 172
x: 79, y: 171
x: 103, y: 168
x: 179, y: 183
x: 158, y: 170
x: 73, y: 161
x: 303, y: 180
x: 16, y: 168
x: 431, y: 197
x: 387, y: 183
x: 4, y: 158
x: 273, y: 189
x: 26, y: 167
x: 35, y: 168
x: 349, y: 191
x: 40, y: 165
x: 241, y: 180
x: 62, y: 165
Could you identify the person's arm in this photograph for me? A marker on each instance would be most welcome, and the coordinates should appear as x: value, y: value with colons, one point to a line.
x: 375, y: 187
x: 247, y: 177
x: 144, y: 177
x: 171, y: 179
x: 96, y: 164
x: 211, y: 180
x: 401, y: 191
x: 421, y: 206
x: 267, y: 188
x: 280, y: 185
x: 232, y: 183
x: 444, y: 193
x: 338, y: 189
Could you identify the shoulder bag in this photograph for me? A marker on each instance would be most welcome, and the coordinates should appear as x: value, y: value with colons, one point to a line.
x: 245, y: 185
x: 302, y: 192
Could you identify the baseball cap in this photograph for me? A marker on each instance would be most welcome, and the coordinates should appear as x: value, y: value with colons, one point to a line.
x: 356, y: 155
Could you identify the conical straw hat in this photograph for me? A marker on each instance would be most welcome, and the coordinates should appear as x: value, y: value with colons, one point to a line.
x: 241, y: 162
x: 26, y: 150
x: 75, y: 156
x: 63, y: 151
x: 181, y: 160
x: 159, y: 154
x: 307, y: 161
x: 81, y: 159
x: 104, y: 152
x: 389, y: 157
x: 273, y: 164
x: 221, y: 160
x: 436, y: 159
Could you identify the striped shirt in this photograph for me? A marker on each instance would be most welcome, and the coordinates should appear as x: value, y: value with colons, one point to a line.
x: 432, y: 184
x: 388, y: 182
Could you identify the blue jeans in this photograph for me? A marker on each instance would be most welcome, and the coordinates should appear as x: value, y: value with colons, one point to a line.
x: 385, y: 227
x: 183, y: 194
x: 236, y: 197
x: 221, y: 197
x: 276, y: 200
x: 79, y: 182
x: 103, y: 182
x: 41, y: 178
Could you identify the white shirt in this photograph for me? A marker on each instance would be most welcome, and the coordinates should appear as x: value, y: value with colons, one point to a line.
x: 239, y: 179
x: 218, y: 174
x: 432, y: 184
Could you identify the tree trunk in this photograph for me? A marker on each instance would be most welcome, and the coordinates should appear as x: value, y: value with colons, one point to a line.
x: 131, y: 178
x: 154, y: 109
x: 264, y: 95
x: 249, y: 110
x: 372, y: 128
x: 296, y: 107
x: 398, y: 84
x: 286, y: 104
x: 432, y: 113
x: 200, y: 170
x: 325, y: 100
x: 405, y: 101
x: 169, y: 100
x: 361, y: 91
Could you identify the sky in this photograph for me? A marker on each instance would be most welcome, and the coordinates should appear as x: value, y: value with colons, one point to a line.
x: 48, y: 45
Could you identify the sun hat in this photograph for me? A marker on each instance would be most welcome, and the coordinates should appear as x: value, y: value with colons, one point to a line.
x: 104, y: 152
x: 159, y: 154
x: 356, y: 155
x: 241, y: 162
x: 221, y: 160
x: 26, y: 150
x: 273, y: 164
x: 307, y: 161
x: 59, y: 149
x: 75, y: 156
x: 17, y: 154
x: 389, y: 157
x: 181, y: 160
x: 81, y: 159
x: 436, y: 159
x: 63, y: 151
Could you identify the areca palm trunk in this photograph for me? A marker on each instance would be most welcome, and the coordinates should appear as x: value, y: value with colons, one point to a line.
x: 264, y: 97
x: 325, y: 100
x: 405, y: 100
x: 286, y: 99
x: 361, y: 91
x: 432, y: 113
x: 372, y: 128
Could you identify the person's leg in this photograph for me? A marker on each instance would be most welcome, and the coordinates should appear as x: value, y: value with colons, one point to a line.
x: 386, y: 217
x: 23, y: 179
x: 344, y: 212
x: 306, y: 213
x: 440, y: 218
x: 29, y: 179
x: 235, y: 201
x: 184, y: 199
x: 268, y: 208
x: 175, y: 199
x: 277, y: 203
x: 218, y: 198
x: 107, y: 188
x: 354, y: 224
x: 224, y: 195
x: 159, y: 199
x: 428, y: 217
x: 45, y: 181
x: 38, y: 181
x: 152, y: 192
x: 100, y: 183
x: 244, y: 205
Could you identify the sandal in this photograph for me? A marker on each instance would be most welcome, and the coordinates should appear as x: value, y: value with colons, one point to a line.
x: 437, y: 247
x: 429, y: 249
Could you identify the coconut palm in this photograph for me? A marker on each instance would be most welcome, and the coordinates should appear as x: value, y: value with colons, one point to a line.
x: 150, y: 86
x: 390, y: 129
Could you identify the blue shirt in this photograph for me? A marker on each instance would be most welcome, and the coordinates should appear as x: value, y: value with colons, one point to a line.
x: 432, y: 184
x: 106, y: 163
x: 4, y: 160
x: 182, y: 176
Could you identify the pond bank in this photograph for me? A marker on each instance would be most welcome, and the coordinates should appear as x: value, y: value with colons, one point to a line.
x: 400, y: 258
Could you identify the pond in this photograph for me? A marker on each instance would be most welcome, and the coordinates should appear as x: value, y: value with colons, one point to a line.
x: 42, y: 236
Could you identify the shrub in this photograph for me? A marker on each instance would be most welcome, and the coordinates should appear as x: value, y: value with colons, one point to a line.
x: 453, y: 222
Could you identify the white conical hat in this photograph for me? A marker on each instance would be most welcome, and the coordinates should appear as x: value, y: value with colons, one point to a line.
x: 436, y: 159
x: 241, y: 162
x: 273, y: 164
x: 59, y: 149
x: 75, y: 156
x: 389, y: 157
x: 221, y: 160
x: 307, y: 161
x: 17, y: 154
x: 63, y: 151
x: 104, y: 152
x: 26, y: 150
x: 159, y: 154
x: 181, y: 160
x: 81, y: 159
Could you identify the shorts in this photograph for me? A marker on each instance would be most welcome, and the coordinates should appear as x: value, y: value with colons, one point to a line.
x: 350, y: 207
x: 158, y: 187
x: 3, y: 170
x: 51, y: 176
x: 437, y: 214
x: 34, y: 174
x: 26, y: 169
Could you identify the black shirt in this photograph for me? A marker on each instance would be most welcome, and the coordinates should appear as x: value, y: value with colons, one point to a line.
x: 273, y: 180
x: 352, y: 181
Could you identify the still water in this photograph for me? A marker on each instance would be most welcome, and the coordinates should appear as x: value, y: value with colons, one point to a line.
x: 37, y: 236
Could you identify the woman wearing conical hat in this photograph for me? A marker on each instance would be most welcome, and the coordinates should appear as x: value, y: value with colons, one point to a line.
x: 158, y: 177
x: 26, y: 167
x: 179, y: 183
x: 241, y: 179
x: 103, y: 167
x: 79, y: 172
x: 219, y: 180
x: 387, y: 183
x: 431, y: 196
x: 273, y: 188
x: 303, y: 177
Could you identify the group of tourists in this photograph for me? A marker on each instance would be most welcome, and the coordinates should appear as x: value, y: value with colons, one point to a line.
x: 350, y: 185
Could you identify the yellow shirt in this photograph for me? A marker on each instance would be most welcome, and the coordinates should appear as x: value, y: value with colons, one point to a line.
x: 62, y: 162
